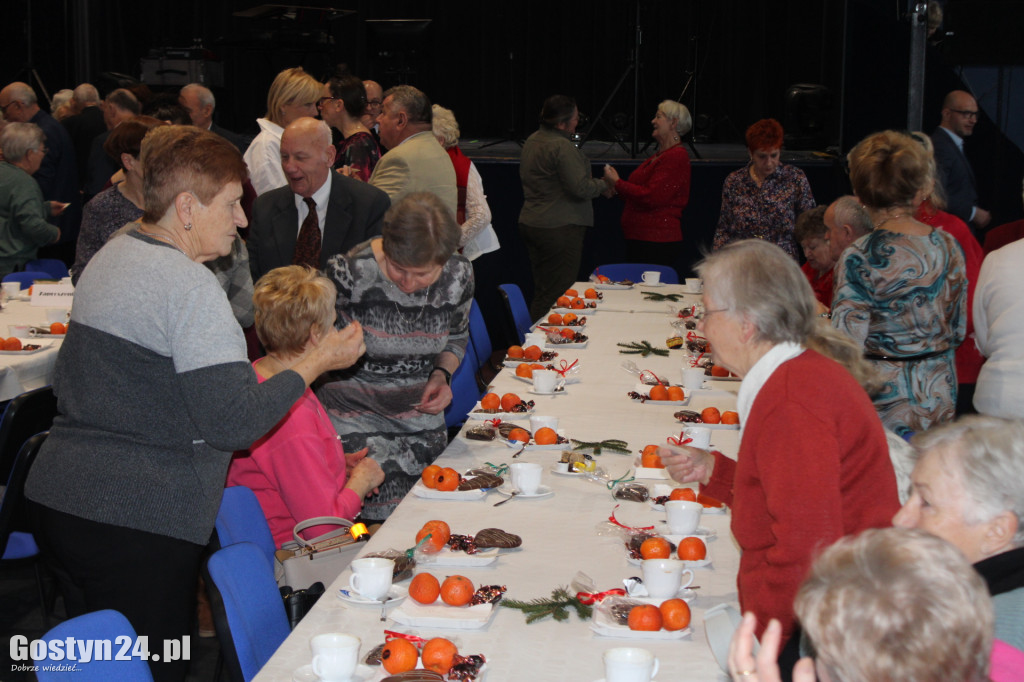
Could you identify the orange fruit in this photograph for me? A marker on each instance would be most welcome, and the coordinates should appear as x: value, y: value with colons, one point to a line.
x: 439, y: 534
x: 659, y: 392
x: 534, y: 365
x: 655, y: 548
x: 568, y: 333
x: 508, y: 401
x: 645, y: 617
x: 569, y: 318
x: 448, y: 480
x: 578, y: 304
x: 675, y: 614
x: 13, y: 343
x: 710, y: 415
x: 603, y: 279
x: 399, y: 656
x: 515, y: 352
x: 590, y: 293
x: 555, y: 318
x: 58, y: 328
x: 532, y: 352
x: 683, y: 494
x: 650, y: 449
x: 424, y: 588
x: 719, y: 371
x: 676, y: 393
x: 438, y: 655
x: 563, y: 302
x: 524, y: 370
x: 709, y: 501
x: 730, y: 417
x: 571, y: 293
x: 692, y: 549
x: 651, y: 460
x: 491, y: 401
x: 429, y: 475
x: 521, y: 435
x: 457, y: 590
x: 545, y: 436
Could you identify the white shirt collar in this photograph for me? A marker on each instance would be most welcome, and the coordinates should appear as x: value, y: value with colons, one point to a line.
x: 321, y: 198
x: 759, y: 374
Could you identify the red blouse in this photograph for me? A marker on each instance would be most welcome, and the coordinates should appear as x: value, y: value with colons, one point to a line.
x: 655, y: 196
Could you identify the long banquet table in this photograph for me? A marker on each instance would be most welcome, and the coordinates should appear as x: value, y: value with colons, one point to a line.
x: 560, y: 533
x: 24, y: 372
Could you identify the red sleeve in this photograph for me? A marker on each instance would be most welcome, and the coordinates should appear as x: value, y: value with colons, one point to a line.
x: 670, y: 177
x: 720, y: 485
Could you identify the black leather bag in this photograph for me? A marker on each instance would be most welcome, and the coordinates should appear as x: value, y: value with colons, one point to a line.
x: 297, y: 603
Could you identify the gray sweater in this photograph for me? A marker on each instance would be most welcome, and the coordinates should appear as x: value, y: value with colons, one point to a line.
x: 155, y: 392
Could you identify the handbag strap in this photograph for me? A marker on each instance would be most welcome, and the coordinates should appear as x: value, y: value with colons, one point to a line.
x: 344, y: 524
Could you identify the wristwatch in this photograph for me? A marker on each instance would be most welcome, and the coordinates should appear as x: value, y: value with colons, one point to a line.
x: 447, y: 374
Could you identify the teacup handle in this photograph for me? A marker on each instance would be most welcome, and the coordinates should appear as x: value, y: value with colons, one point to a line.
x: 681, y: 586
x: 353, y: 583
x: 654, y: 672
x: 321, y: 674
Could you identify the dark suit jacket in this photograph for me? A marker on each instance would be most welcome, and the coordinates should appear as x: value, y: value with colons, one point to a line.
x: 355, y: 212
x: 58, y: 175
x: 234, y: 138
x: 956, y: 176
x: 84, y: 128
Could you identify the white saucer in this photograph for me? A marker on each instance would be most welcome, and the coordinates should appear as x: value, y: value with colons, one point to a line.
x: 397, y: 593
x: 703, y: 531
x: 555, y: 392
x: 306, y: 674
x: 651, y: 284
x: 542, y: 491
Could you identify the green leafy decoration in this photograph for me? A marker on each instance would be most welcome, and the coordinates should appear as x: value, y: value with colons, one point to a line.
x: 611, y: 444
x: 641, y: 348
x: 557, y: 606
x: 655, y: 296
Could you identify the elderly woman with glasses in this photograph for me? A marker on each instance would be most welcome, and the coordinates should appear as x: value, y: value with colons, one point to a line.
x: 813, y: 464
x: 23, y: 213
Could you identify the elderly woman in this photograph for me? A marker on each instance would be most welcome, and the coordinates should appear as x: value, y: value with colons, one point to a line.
x: 792, y: 489
x: 411, y: 292
x: 968, y: 488
x: 763, y: 199
x: 886, y: 605
x: 293, y: 94
x: 811, y: 234
x: 115, y: 206
x: 558, y: 190
x: 657, y: 191
x: 901, y: 290
x: 473, y: 215
x: 342, y: 107
x: 23, y: 213
x: 298, y: 469
x: 155, y: 392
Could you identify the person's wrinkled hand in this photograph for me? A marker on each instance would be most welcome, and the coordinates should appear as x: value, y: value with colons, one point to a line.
x: 744, y: 666
x: 611, y: 176
x: 981, y: 217
x: 342, y: 347
x: 366, y: 476
x: 436, y: 396
x: 686, y: 464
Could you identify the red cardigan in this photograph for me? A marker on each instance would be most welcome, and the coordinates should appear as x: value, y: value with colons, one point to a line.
x: 813, y: 466
x: 655, y: 195
x: 820, y: 284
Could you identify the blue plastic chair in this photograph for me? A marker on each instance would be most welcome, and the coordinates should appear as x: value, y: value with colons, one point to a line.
x: 634, y: 272
x: 465, y: 391
x: 248, y: 612
x: 26, y: 278
x: 518, y: 313
x: 19, y: 547
x: 51, y: 266
x: 479, y: 337
x: 97, y: 626
x: 241, y: 519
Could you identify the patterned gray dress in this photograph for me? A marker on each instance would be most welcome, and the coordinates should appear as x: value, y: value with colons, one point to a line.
x: 371, y: 403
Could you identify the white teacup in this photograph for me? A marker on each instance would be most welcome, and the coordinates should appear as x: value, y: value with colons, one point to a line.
x: 335, y: 656
x: 19, y: 330
x: 547, y: 381
x: 539, y: 422
x: 693, y: 378
x: 700, y: 436
x: 535, y: 339
x: 11, y: 289
x: 693, y: 284
x: 651, y: 276
x: 629, y: 664
x: 57, y: 315
x: 526, y: 477
x: 663, y: 578
x: 371, y: 577
x: 683, y: 516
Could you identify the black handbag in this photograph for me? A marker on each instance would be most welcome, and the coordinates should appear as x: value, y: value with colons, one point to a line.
x: 297, y: 603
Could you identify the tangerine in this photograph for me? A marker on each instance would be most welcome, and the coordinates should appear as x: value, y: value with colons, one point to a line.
x: 651, y: 460
x: 58, y: 328
x: 490, y: 401
x: 448, y: 480
x: 524, y: 370
x: 730, y: 417
x: 508, y: 401
x: 683, y: 494
x: 590, y: 293
x: 521, y: 435
x: 515, y: 352
x: 399, y: 656
x: 532, y: 352
x: 545, y: 436
x: 438, y: 655
x: 568, y: 334
x: 13, y: 343
x: 709, y: 501
x: 571, y: 293
x: 603, y: 279
x: 675, y: 614
x: 555, y: 319
x: 457, y: 590
x: 719, y: 371
x: 659, y: 392
x: 429, y: 475
x: 692, y: 549
x: 649, y: 449
x: 569, y: 318
x: 424, y: 588
x: 578, y: 304
x: 645, y: 617
x: 439, y: 534
x: 711, y: 415
x: 535, y: 365
x: 676, y: 393
x: 563, y: 302
x: 655, y: 548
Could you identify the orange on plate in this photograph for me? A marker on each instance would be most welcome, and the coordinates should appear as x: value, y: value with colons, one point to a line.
x: 568, y: 334
x: 448, y: 480
x: 515, y: 352
x: 545, y: 436
x: 711, y: 415
x: 457, y: 590
x: 508, y: 401
x: 555, y: 318
x: 590, y: 293
x: 13, y: 343
x: 719, y: 371
x: 676, y: 393
x: 424, y: 588
x: 532, y: 352
x: 692, y: 549
x: 571, y: 293
x: 563, y: 302
x: 675, y: 614
x: 438, y: 655
x: 439, y: 534
x: 399, y: 656
x: 730, y: 417
x: 659, y: 392
x: 578, y: 304
x: 524, y: 369
x: 58, y: 328
x: 651, y: 460
x: 603, y: 279
x: 429, y: 475
x: 655, y: 548
x: 569, y: 318
x: 683, y: 494
x: 709, y: 501
x: 490, y: 401
x: 645, y: 617
x: 650, y: 449
x: 521, y: 435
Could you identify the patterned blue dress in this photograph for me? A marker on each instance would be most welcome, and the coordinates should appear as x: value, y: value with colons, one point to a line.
x: 905, y: 296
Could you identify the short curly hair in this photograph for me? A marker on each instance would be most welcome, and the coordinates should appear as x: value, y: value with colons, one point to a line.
x: 445, y: 126
x: 766, y: 134
x: 289, y: 302
x: 888, y: 169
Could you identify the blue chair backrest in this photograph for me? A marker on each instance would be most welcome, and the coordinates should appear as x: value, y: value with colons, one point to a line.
x: 634, y: 272
x: 241, y: 519
x: 478, y: 334
x: 98, y: 626
x: 252, y: 604
x: 515, y: 304
x: 465, y: 392
x: 18, y: 544
x: 51, y: 266
x: 26, y: 277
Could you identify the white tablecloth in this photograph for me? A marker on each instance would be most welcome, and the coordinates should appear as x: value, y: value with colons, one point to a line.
x: 560, y: 532
x: 20, y: 373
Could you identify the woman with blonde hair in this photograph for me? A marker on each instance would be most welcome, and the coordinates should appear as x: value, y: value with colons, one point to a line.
x: 292, y: 95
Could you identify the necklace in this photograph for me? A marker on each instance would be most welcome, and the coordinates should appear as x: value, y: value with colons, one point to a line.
x: 896, y: 216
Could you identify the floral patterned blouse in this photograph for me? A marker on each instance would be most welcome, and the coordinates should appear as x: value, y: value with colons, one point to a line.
x: 767, y: 212
x: 359, y: 151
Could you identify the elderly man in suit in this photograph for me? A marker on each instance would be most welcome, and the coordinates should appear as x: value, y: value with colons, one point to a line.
x: 199, y: 102
x: 319, y: 213
x: 959, y: 114
x: 416, y: 161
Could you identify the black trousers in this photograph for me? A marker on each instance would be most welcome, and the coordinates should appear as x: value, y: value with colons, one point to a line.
x: 149, y: 578
x: 555, y: 255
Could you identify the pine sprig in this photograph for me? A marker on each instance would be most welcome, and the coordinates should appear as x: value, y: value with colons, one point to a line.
x: 655, y: 296
x: 611, y: 444
x: 556, y: 606
x: 641, y: 348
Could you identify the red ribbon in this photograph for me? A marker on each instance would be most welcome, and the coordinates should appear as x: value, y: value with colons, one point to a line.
x: 493, y: 422
x: 620, y: 525
x: 565, y: 367
x: 391, y: 634
x: 683, y: 439
x: 588, y: 598
x: 656, y: 379
x: 696, y: 361
x: 691, y: 336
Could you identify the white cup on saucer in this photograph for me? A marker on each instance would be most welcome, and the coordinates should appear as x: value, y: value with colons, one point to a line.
x: 371, y: 577
x: 11, y: 289
x: 700, y: 437
x: 651, y: 276
x: 663, y: 578
x: 535, y: 339
x: 629, y: 664
x: 693, y: 378
x: 19, y: 330
x: 539, y: 422
x: 57, y: 315
x: 693, y: 284
x: 683, y: 516
x: 335, y: 656
x: 526, y: 477
x: 547, y: 381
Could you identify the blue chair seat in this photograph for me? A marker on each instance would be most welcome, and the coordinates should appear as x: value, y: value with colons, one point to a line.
x: 20, y: 546
x: 634, y: 272
x: 97, y: 626
x: 26, y: 278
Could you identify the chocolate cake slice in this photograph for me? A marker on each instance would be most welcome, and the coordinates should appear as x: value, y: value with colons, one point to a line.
x: 496, y: 537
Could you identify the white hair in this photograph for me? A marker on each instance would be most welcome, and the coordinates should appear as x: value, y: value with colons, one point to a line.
x: 86, y: 93
x: 18, y: 139
x: 203, y: 94
x: 445, y: 126
x: 673, y: 109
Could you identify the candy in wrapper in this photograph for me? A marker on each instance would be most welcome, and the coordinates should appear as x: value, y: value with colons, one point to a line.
x: 674, y: 342
x: 488, y: 594
x: 462, y: 543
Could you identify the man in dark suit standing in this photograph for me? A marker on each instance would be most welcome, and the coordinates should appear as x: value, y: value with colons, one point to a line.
x: 959, y: 114
x: 198, y: 100
x: 319, y: 213
x: 85, y: 125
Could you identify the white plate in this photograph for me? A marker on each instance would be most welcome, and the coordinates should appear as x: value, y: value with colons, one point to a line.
x: 420, y: 490
x: 440, y: 615
x: 568, y: 380
x: 542, y: 491
x: 577, y: 474
x: 306, y: 674
x: 504, y: 416
x: 684, y: 593
x: 533, y: 446
x: 41, y: 348
x: 578, y: 311
x: 605, y: 626
x: 612, y: 286
x: 713, y: 427
x: 560, y: 327
x: 515, y: 362
x: 703, y: 563
x: 662, y: 529
x: 446, y: 557
x: 556, y: 346
x: 556, y: 392
x: 32, y: 335
x: 652, y: 284
x: 397, y: 594
x: 711, y: 378
x: 651, y: 472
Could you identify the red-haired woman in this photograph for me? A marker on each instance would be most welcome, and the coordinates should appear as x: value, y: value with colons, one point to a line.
x: 763, y: 199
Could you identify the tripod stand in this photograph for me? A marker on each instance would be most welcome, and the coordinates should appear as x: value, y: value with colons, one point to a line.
x: 28, y: 72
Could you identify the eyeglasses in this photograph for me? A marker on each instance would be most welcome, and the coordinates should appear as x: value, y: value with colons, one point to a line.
x: 324, y: 100
x: 965, y: 113
x: 4, y: 108
x: 705, y: 314
x: 373, y: 102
